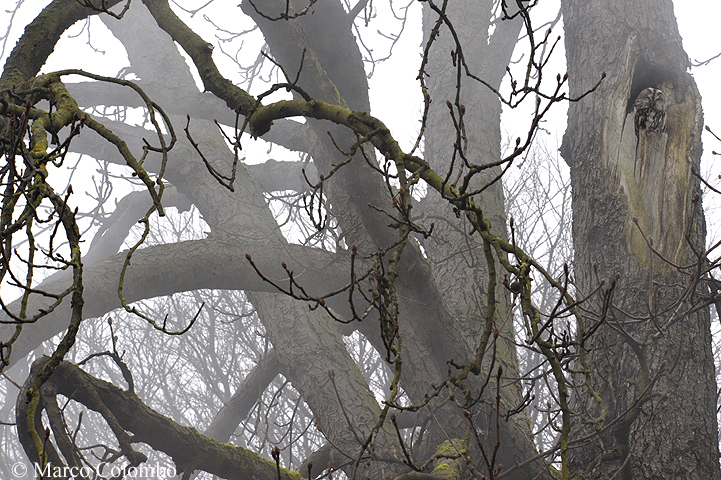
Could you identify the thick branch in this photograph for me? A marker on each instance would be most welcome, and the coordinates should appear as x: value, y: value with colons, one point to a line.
x: 172, y: 268
x: 188, y: 449
x: 236, y: 409
x: 39, y: 39
x: 201, y: 53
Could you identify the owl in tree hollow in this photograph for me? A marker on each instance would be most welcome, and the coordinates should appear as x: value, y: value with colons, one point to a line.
x: 650, y: 110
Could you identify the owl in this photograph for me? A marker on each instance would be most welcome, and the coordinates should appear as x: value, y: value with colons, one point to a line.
x: 650, y: 110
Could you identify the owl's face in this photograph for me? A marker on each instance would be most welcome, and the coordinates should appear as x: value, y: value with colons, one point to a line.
x: 659, y: 100
x: 645, y: 98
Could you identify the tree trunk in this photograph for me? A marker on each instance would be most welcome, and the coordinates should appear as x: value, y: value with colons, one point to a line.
x: 637, y: 214
x: 460, y: 267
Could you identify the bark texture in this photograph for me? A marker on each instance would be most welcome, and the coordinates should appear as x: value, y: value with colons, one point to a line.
x: 460, y: 266
x: 188, y: 449
x: 628, y: 188
x: 637, y: 214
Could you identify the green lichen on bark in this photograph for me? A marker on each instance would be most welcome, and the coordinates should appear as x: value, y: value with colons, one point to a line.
x: 451, y: 462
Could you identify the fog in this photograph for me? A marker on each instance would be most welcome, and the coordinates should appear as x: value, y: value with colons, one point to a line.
x: 359, y: 240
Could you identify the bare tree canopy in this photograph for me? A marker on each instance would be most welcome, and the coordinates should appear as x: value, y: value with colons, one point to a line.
x: 222, y: 236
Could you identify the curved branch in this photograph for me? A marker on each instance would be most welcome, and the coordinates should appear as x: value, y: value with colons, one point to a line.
x: 188, y: 449
x: 171, y: 268
x: 40, y: 37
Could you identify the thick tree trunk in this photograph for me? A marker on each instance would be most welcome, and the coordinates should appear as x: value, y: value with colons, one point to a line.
x: 651, y: 362
x: 460, y: 267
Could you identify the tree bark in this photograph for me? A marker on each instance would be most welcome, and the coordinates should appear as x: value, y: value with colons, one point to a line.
x: 188, y: 449
x: 637, y: 214
x: 460, y: 266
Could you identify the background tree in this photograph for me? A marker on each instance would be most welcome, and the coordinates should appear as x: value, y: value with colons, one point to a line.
x: 441, y: 282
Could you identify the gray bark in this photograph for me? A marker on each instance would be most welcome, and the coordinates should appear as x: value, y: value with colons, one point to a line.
x: 459, y: 264
x: 651, y: 361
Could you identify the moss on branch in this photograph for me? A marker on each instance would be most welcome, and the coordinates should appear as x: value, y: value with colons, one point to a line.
x: 188, y: 448
x: 39, y: 39
x: 200, y: 52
